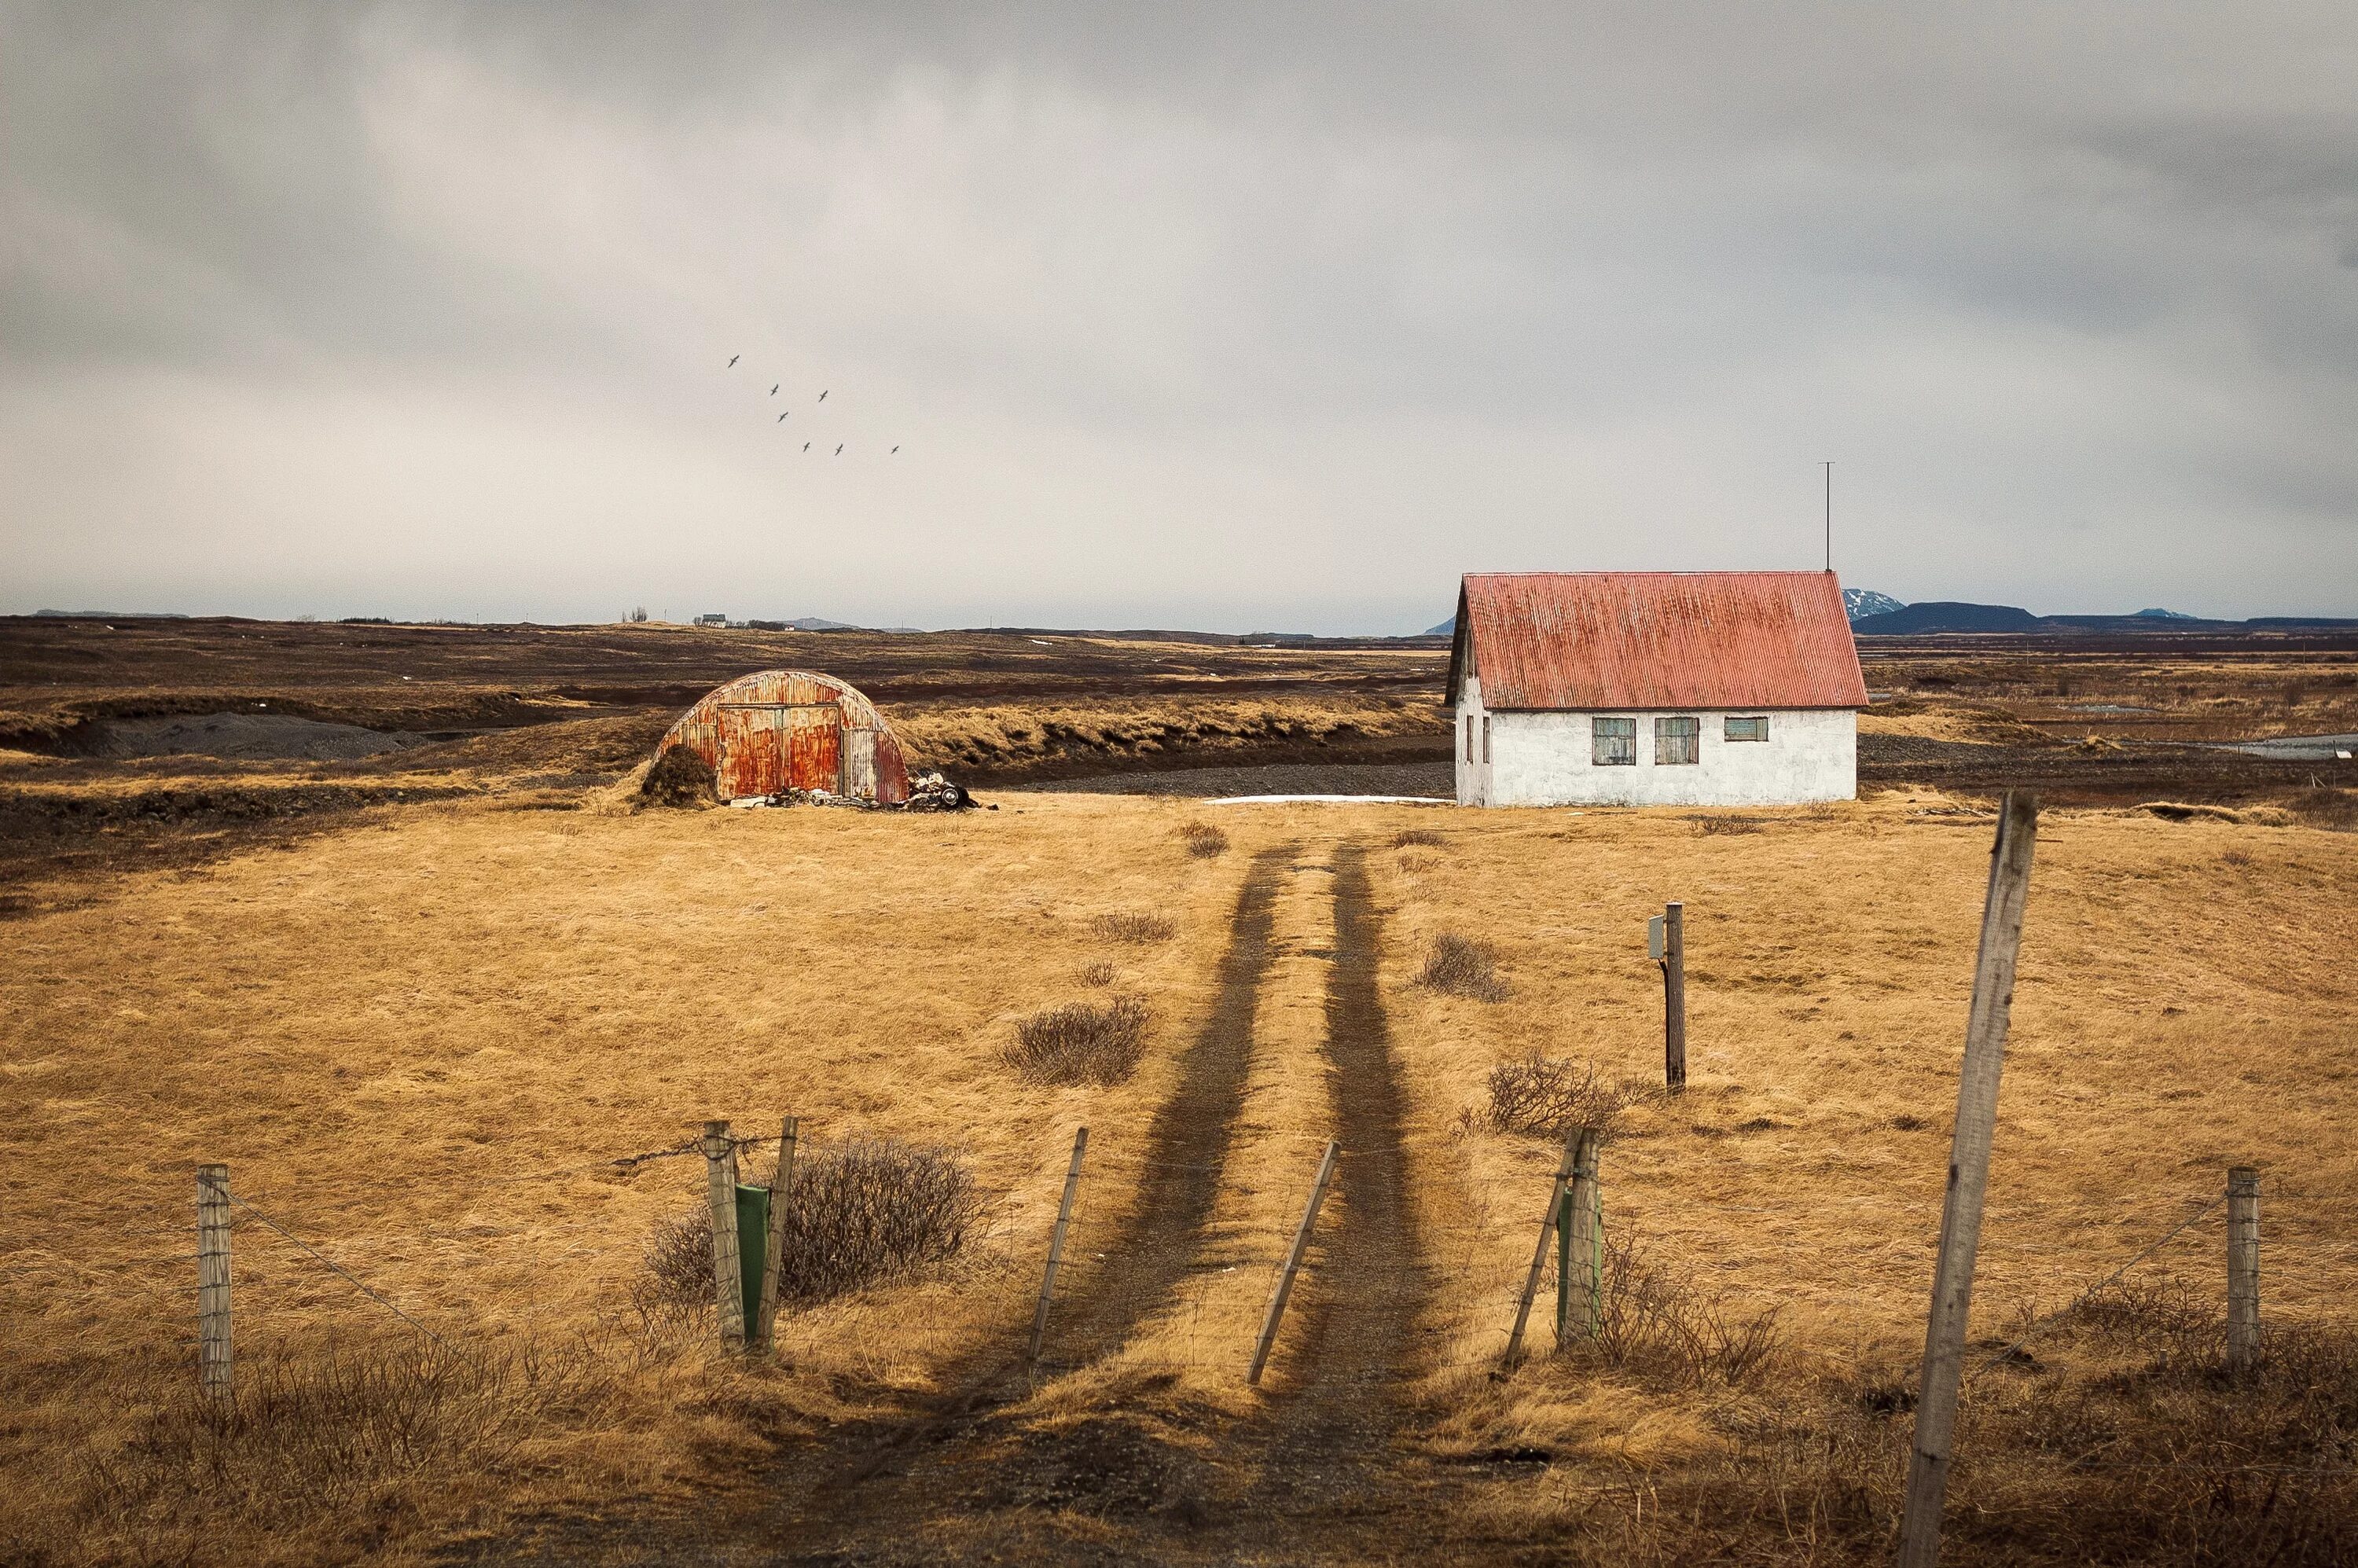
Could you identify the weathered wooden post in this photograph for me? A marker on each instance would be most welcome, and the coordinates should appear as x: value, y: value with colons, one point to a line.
x: 214, y: 1364
x: 1292, y: 1262
x: 1674, y: 995
x: 1580, y: 1261
x: 1539, y: 1250
x: 2242, y: 1268
x: 1969, y: 1157
x: 765, y: 1318
x: 1056, y: 1244
x: 727, y: 1276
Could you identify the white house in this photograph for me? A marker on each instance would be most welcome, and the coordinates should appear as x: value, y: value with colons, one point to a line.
x: 1654, y: 689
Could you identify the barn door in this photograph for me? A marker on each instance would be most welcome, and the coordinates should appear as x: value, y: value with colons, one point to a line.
x: 753, y: 752
x: 813, y: 741
x: 860, y: 762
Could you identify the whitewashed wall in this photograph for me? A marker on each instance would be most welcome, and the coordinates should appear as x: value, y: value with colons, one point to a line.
x: 1542, y: 759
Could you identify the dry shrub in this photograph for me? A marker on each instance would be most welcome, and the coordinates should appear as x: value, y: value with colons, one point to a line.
x: 2335, y: 810
x: 1203, y: 840
x: 1459, y: 966
x: 1655, y: 1323
x: 1714, y: 827
x: 1132, y: 926
x: 1417, y: 838
x: 862, y: 1215
x: 364, y: 1442
x: 1081, y: 1042
x: 1547, y: 1097
x: 1098, y: 972
x: 681, y: 778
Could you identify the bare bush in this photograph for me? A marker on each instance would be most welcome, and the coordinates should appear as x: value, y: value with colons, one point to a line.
x: 1417, y: 838
x: 1134, y: 926
x: 1203, y: 840
x: 681, y: 777
x: 1547, y: 1097
x: 1081, y: 1042
x: 1459, y: 966
x: 856, y: 1216
x: 1654, y: 1321
x: 1716, y: 826
x: 1098, y: 972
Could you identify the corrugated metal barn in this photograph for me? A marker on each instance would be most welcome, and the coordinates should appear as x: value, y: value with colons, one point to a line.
x: 1654, y: 689
x: 780, y: 730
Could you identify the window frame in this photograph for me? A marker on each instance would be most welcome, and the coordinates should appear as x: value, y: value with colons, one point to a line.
x: 1624, y: 730
x: 1692, y: 737
x: 1485, y: 740
x: 1729, y: 721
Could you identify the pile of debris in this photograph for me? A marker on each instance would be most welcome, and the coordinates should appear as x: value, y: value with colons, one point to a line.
x: 927, y: 792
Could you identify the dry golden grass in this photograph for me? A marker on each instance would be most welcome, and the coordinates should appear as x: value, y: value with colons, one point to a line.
x: 407, y: 1038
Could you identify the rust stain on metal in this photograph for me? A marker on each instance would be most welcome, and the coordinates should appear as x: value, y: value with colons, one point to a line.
x: 1602, y: 641
x: 778, y: 730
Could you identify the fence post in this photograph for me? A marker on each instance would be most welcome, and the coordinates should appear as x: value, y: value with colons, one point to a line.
x: 728, y: 1279
x: 1539, y: 1250
x: 765, y: 1329
x: 1674, y: 995
x: 1969, y: 1157
x: 1581, y: 1243
x: 1292, y: 1262
x: 1056, y: 1246
x: 214, y: 1364
x: 2242, y: 1268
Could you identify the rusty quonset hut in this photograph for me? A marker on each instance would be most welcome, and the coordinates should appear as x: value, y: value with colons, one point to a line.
x: 780, y: 730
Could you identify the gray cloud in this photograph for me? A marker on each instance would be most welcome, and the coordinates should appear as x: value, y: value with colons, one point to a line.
x: 1223, y: 315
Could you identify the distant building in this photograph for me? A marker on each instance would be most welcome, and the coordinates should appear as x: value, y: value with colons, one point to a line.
x: 1654, y: 689
x: 712, y: 621
x: 778, y: 730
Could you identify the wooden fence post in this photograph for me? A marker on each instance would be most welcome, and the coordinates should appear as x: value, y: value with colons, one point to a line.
x: 1579, y: 1264
x: 765, y: 1318
x: 1539, y: 1250
x: 728, y: 1279
x: 1674, y: 995
x: 1056, y: 1246
x: 1969, y: 1159
x: 1292, y: 1262
x: 2242, y: 1268
x: 214, y: 1364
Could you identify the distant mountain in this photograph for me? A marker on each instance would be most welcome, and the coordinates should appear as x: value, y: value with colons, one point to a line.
x: 1447, y: 629
x: 1943, y: 615
x: 1859, y: 603
x: 2164, y: 615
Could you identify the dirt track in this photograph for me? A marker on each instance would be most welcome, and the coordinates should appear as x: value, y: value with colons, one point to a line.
x: 968, y: 1476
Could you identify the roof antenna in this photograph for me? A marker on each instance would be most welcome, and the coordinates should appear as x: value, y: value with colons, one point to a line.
x: 1830, y: 514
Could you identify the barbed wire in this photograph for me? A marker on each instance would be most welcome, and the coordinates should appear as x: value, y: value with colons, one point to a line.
x: 2086, y: 1295
x: 336, y: 1268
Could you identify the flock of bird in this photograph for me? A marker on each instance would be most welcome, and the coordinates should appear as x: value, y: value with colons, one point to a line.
x: 782, y: 413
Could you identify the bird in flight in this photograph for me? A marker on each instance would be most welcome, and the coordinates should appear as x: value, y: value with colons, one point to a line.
x: 782, y: 418
x: 733, y: 359
x: 896, y: 449
x: 838, y: 451
x: 822, y: 398
x: 774, y: 389
x: 807, y: 446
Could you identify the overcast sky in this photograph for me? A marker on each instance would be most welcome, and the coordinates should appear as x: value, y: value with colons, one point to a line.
x: 1236, y: 317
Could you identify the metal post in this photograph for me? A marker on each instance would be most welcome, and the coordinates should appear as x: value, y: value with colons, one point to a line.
x: 1969, y: 1159
x: 1292, y: 1262
x: 2242, y: 1268
x: 728, y: 1280
x: 213, y: 1365
x: 1056, y: 1244
x: 1674, y: 995
x: 765, y: 1324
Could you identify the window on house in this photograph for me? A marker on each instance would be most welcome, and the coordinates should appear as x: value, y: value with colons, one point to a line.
x: 1486, y: 738
x: 1677, y: 742
x: 1469, y: 737
x: 1754, y: 729
x: 1612, y: 743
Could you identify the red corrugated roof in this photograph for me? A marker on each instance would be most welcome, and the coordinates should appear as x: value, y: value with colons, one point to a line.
x: 1655, y: 640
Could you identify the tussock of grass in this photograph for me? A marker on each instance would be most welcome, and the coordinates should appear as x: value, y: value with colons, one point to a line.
x: 1081, y: 1042
x: 869, y: 1211
x: 1460, y: 965
x: 679, y: 778
x: 1716, y: 826
x: 1134, y: 926
x: 1203, y: 840
x: 1417, y: 838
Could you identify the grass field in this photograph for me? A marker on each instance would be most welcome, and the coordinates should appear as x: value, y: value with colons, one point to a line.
x: 415, y: 1036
